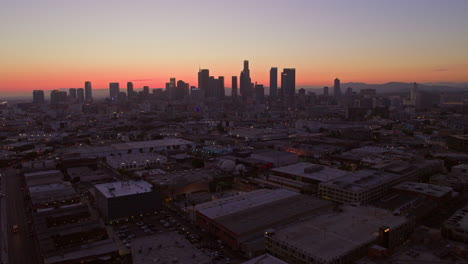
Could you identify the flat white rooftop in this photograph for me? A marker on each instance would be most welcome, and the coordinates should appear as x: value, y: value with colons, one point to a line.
x: 229, y: 205
x: 116, y: 189
x: 42, y: 173
x: 316, y: 172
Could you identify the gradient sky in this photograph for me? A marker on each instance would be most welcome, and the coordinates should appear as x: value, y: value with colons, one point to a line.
x: 49, y: 44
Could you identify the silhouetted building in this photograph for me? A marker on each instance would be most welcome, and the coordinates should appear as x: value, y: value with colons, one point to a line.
x: 220, y: 91
x: 58, y: 97
x: 259, y: 94
x: 129, y: 89
x: 38, y: 97
x: 273, y: 82
x: 245, y: 81
x: 234, y: 86
x: 288, y: 86
x: 145, y: 90
x: 80, y: 95
x: 325, y: 90
x: 114, y: 91
x: 203, y: 80
x: 88, y: 91
x: 337, y: 89
x: 72, y: 94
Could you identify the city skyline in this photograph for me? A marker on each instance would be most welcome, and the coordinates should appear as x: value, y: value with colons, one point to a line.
x: 322, y: 39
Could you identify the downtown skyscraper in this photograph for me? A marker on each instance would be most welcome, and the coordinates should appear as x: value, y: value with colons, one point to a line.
x: 203, y: 80
x: 273, y: 82
x: 245, y: 81
x: 114, y: 91
x: 337, y: 89
x: 129, y: 89
x: 88, y: 91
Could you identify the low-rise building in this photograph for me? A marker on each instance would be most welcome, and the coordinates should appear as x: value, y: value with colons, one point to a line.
x: 428, y: 191
x: 304, y: 176
x: 338, y: 237
x: 456, y: 227
x: 135, y: 161
x: 275, y: 157
x: 119, y: 200
x: 241, y: 220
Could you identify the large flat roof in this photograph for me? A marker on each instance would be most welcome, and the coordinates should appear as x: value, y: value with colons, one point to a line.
x: 230, y: 205
x: 257, y: 219
x: 166, y: 247
x: 116, y: 189
x: 361, y: 180
x: 331, y: 235
x: 311, y: 171
x: 424, y: 188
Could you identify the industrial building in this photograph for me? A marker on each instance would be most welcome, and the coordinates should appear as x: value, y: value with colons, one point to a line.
x: 241, y: 220
x: 456, y: 227
x: 275, y: 157
x: 338, y: 237
x: 120, y: 200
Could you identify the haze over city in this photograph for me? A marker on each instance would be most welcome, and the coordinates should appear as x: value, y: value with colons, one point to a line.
x: 234, y: 132
x: 60, y: 44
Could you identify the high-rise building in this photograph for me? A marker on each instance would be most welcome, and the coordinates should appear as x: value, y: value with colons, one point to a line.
x: 88, y: 91
x: 337, y: 89
x: 245, y: 81
x: 181, y: 91
x: 38, y: 97
x: 413, y: 92
x: 114, y: 91
x: 220, y: 92
x: 259, y: 94
x: 129, y: 89
x: 234, y: 86
x: 58, y: 97
x: 288, y: 82
x: 72, y: 94
x: 212, y: 90
x: 203, y: 80
x: 325, y: 91
x: 146, y: 90
x: 80, y: 95
x: 273, y: 82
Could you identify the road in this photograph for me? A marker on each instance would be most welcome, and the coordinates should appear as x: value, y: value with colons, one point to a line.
x: 21, y: 246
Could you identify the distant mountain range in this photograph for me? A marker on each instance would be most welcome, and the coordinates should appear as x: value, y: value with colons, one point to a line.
x: 400, y: 87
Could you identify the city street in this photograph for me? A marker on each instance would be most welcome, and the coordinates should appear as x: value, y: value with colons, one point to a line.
x: 21, y: 248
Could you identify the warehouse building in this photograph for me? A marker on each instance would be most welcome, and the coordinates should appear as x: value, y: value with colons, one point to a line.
x: 240, y: 221
x: 120, y: 200
x: 338, y: 237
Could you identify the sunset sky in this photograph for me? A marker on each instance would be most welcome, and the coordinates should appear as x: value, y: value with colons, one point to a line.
x: 49, y: 44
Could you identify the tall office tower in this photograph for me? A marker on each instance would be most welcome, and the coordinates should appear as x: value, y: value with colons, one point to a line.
x: 274, y: 82
x: 129, y: 89
x: 325, y: 91
x: 203, y: 80
x: 114, y: 91
x: 245, y: 81
x: 72, y: 94
x: 181, y: 91
x: 413, y: 92
x: 220, y: 92
x: 38, y: 97
x: 58, y: 97
x: 234, y: 87
x: 213, y: 88
x: 88, y: 91
x: 80, y: 95
x: 288, y: 82
x: 259, y: 94
x: 146, y: 90
x: 337, y: 89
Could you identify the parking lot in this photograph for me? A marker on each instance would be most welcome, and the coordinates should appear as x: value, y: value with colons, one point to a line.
x: 171, y: 220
